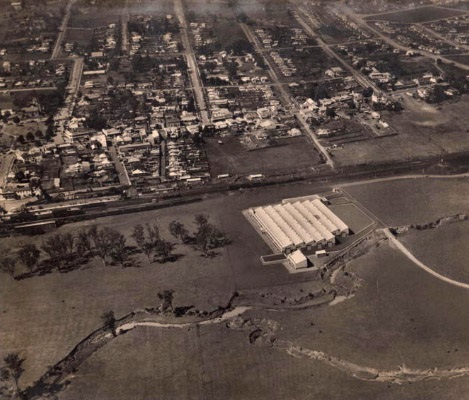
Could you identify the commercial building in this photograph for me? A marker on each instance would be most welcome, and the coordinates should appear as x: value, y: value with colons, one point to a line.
x: 305, y: 223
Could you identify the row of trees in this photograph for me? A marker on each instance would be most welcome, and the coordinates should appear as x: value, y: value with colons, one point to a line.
x: 67, y: 251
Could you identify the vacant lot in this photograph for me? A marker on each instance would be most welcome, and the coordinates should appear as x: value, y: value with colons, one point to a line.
x: 93, y: 17
x: 417, y: 15
x: 80, y: 36
x: 412, y: 201
x: 443, y: 249
x: 293, y: 154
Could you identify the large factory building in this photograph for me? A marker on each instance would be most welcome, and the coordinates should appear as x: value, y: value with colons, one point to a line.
x: 299, y: 224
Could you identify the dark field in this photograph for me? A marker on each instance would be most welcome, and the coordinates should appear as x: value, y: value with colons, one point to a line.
x: 81, y: 36
x: 232, y: 157
x: 417, y: 15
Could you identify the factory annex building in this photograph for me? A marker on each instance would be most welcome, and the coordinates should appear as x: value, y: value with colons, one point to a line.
x: 304, y: 223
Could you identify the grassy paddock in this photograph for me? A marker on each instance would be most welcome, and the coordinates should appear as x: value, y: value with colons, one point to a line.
x: 232, y: 157
x: 443, y: 249
x: 417, y: 321
x: 413, y: 201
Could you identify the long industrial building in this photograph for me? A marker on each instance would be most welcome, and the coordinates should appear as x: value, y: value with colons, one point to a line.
x: 302, y: 224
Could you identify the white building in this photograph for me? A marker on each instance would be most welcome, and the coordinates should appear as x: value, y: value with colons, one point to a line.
x: 298, y: 260
x: 299, y: 224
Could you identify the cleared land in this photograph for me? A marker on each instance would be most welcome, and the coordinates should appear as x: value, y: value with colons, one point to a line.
x: 443, y: 249
x: 417, y: 15
x: 61, y: 309
x: 355, y: 218
x: 290, y: 155
x: 413, y: 201
x: 417, y: 321
x: 400, y: 315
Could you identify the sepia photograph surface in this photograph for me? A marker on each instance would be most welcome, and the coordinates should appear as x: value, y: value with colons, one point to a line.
x: 234, y: 199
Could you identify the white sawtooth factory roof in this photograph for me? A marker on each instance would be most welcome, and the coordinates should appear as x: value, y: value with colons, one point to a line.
x: 299, y: 223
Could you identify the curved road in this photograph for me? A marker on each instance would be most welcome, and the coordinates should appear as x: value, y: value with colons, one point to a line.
x: 417, y: 262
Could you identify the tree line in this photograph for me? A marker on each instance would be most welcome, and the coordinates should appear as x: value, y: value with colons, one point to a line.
x: 67, y: 251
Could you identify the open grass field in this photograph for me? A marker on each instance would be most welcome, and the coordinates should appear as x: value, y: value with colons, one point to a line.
x: 203, y: 8
x: 81, y: 36
x: 462, y: 58
x: 355, y: 218
x: 417, y: 15
x: 61, y: 309
x: 93, y: 17
x: 400, y: 315
x: 413, y: 201
x: 418, y: 321
x: 443, y: 249
x: 232, y: 157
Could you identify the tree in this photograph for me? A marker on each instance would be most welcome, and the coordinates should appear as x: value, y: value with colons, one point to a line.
x: 103, y: 242
x: 29, y: 254
x: 153, y: 233
x: 178, y: 230
x: 164, y: 249
x: 20, y: 139
x: 367, y: 92
x: 118, y: 249
x: 208, y: 236
x: 109, y: 321
x: 138, y: 234
x: 84, y: 244
x: 14, y: 369
x: 8, y: 265
x: 39, y: 134
x: 166, y: 297
x: 29, y: 136
x: 95, y: 121
x: 59, y: 246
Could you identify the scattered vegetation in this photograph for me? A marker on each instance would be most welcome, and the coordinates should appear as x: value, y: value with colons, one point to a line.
x: 10, y: 374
